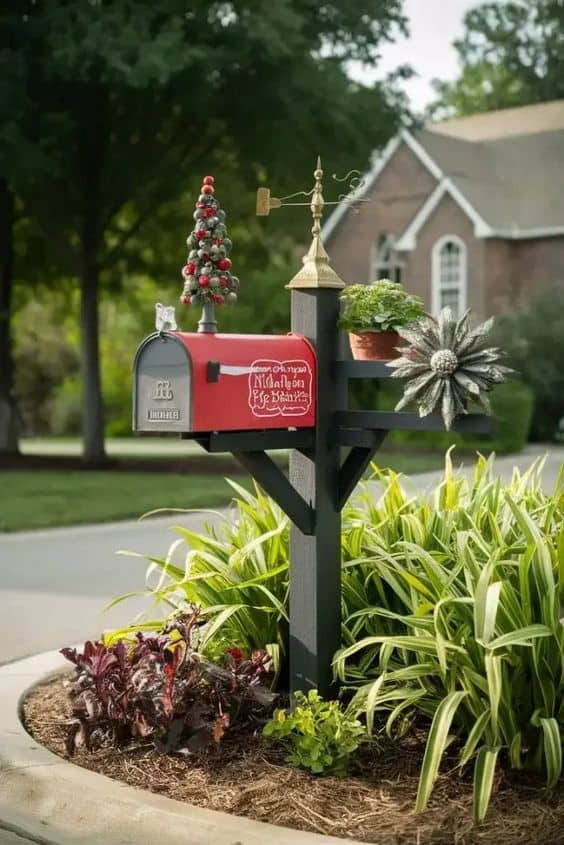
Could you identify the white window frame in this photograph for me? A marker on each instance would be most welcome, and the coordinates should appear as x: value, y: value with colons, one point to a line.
x: 462, y: 286
x: 388, y: 268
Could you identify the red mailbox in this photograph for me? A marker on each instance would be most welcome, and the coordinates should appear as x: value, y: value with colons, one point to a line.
x: 206, y: 382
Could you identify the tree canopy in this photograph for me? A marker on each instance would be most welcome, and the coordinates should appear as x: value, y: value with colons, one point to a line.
x: 118, y: 107
x: 512, y: 54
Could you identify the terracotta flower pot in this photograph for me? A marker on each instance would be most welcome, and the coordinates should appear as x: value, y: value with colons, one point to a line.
x: 374, y: 346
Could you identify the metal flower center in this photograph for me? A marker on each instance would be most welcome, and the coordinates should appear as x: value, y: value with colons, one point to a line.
x: 444, y: 362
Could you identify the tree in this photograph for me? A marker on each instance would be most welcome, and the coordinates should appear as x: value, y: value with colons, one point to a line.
x: 22, y: 159
x: 144, y: 97
x: 512, y: 54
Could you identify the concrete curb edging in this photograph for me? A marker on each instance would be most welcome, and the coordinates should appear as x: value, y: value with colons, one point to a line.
x: 55, y: 802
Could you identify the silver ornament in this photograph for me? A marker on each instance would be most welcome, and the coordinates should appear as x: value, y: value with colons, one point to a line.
x: 446, y: 365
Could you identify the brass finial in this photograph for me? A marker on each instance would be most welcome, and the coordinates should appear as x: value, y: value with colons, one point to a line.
x: 316, y: 272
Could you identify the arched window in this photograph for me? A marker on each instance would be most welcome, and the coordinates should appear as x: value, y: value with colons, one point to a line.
x: 385, y: 264
x: 449, y: 275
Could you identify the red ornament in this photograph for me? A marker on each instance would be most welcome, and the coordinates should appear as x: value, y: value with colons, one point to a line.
x: 201, y: 234
x: 186, y: 300
x: 204, y: 281
x: 189, y: 269
x: 208, y: 180
x: 218, y: 298
x: 209, y: 212
x: 223, y: 280
x: 224, y: 263
x: 201, y: 205
x: 207, y: 189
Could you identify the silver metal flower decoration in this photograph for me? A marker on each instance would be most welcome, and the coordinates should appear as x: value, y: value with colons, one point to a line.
x: 447, y: 365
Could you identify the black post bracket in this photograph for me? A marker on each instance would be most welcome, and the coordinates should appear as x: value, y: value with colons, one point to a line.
x: 272, y: 479
x: 302, y: 439
x: 390, y: 420
x: 355, y: 464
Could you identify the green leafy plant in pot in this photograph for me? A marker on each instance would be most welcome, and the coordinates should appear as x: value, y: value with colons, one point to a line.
x: 371, y: 315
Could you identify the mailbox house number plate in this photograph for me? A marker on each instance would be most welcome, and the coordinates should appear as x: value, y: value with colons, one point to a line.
x: 162, y: 392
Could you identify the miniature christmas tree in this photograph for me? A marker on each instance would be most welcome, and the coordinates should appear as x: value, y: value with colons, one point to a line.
x: 208, y: 280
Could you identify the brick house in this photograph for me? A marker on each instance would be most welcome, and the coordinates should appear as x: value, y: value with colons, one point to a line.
x: 466, y: 213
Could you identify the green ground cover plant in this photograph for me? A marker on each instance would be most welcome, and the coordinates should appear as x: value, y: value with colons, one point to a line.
x: 320, y: 735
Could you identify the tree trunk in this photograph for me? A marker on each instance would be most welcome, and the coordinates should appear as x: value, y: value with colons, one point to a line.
x: 8, y: 410
x: 92, y: 142
x: 92, y: 402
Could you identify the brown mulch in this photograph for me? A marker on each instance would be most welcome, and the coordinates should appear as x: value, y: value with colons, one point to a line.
x: 248, y: 777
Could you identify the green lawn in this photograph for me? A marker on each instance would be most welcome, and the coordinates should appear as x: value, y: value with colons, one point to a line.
x: 42, y: 498
x: 46, y: 498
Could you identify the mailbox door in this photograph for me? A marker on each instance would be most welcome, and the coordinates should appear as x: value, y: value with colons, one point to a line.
x: 162, y: 399
x: 254, y: 382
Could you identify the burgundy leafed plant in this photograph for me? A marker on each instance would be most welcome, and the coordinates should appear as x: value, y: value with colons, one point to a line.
x: 160, y: 687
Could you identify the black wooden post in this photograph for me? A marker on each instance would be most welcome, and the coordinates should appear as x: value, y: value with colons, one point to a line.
x: 315, y: 559
x: 319, y: 485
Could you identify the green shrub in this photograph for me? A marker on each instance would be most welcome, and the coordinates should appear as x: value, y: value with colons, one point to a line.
x: 453, y: 612
x: 533, y: 337
x: 320, y: 735
x: 512, y: 409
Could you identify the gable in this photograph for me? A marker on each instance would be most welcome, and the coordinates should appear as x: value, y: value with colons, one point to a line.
x: 400, y: 188
x: 445, y: 189
x: 509, y: 188
x: 395, y: 195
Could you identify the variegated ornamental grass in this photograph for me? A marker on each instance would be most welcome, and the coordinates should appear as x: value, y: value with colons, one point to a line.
x: 453, y: 611
x: 236, y: 571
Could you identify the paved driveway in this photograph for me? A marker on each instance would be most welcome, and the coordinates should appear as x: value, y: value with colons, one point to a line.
x: 54, y: 583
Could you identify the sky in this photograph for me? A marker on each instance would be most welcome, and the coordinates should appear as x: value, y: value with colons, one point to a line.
x: 433, y: 25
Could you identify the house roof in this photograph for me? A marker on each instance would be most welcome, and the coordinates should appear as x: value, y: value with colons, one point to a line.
x: 510, y: 186
x: 503, y: 123
x: 514, y: 183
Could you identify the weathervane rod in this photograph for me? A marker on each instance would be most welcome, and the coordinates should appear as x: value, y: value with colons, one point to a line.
x: 316, y: 271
